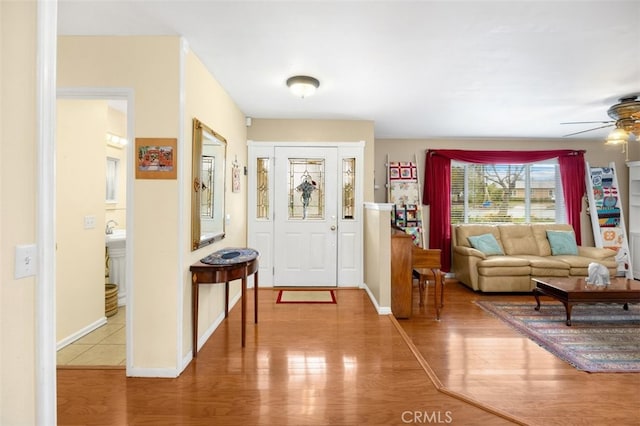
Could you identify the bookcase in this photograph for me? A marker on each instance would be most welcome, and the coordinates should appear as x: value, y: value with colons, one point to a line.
x: 634, y: 216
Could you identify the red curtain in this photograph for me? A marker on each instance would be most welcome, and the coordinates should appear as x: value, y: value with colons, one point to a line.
x: 437, y: 186
x: 573, y: 176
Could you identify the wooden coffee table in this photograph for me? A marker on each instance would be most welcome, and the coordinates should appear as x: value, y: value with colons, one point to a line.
x: 571, y: 291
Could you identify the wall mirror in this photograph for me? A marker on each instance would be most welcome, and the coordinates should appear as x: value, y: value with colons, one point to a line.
x: 207, y: 196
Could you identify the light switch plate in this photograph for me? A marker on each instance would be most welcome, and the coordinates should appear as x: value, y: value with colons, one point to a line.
x: 89, y: 222
x: 26, y: 261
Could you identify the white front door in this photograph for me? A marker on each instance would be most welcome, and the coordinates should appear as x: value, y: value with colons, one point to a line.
x: 305, y: 207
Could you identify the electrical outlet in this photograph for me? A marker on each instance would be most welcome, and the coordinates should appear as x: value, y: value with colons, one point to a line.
x: 26, y: 261
x: 89, y: 222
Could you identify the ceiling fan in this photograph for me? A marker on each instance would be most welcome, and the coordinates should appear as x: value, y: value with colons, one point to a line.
x: 625, y: 115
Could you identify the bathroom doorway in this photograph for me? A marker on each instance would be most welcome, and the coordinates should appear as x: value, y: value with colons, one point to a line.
x: 93, y: 211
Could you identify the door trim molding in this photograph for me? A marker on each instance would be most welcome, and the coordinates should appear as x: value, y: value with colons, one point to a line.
x: 314, y: 144
x: 126, y: 94
x: 45, y: 289
x: 260, y: 230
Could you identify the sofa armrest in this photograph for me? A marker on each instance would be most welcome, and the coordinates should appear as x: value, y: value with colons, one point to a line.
x: 597, y: 253
x: 468, y: 251
x: 465, y: 265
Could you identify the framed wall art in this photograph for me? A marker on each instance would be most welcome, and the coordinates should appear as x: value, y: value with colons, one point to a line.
x: 156, y: 158
x: 235, y: 176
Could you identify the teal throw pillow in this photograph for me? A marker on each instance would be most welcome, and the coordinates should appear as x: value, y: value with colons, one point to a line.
x: 486, y: 243
x: 562, y: 242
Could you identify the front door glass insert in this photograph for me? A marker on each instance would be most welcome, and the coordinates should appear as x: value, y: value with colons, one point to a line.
x: 306, y: 188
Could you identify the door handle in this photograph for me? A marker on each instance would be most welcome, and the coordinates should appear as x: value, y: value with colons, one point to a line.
x: 333, y: 227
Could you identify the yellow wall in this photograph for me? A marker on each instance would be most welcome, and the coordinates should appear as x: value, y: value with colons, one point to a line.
x: 18, y: 177
x: 117, y: 125
x: 377, y: 254
x: 151, y: 66
x: 207, y: 101
x: 597, y: 154
x: 276, y: 130
x: 80, y: 192
x: 162, y: 207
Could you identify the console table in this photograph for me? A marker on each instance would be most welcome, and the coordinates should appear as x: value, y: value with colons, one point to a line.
x: 221, y: 267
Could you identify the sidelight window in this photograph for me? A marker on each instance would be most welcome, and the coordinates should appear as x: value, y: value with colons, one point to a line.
x: 262, y: 189
x: 348, y: 187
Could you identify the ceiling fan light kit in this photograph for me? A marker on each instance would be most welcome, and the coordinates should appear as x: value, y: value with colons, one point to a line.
x: 617, y: 136
x: 303, y: 85
x: 625, y: 117
x: 628, y: 107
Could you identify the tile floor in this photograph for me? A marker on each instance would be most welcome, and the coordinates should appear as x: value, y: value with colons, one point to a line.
x: 104, y: 346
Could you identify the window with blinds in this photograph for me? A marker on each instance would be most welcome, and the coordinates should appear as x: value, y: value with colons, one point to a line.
x: 499, y: 193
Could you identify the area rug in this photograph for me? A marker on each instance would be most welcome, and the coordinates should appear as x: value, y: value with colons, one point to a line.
x: 602, y: 338
x: 306, y: 296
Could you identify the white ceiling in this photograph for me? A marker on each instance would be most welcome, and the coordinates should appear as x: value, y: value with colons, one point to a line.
x: 418, y: 69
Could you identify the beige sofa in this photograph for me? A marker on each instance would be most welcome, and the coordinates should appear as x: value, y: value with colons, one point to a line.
x: 527, y: 254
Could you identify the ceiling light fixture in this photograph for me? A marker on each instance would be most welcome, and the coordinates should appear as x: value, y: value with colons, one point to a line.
x: 617, y: 136
x: 303, y: 85
x: 115, y: 140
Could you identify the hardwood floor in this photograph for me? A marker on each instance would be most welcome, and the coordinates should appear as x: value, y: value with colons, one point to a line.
x: 314, y: 364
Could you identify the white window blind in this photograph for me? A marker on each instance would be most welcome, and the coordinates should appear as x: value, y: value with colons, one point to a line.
x: 512, y: 193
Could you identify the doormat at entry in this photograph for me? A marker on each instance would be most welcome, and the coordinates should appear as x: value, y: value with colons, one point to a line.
x: 306, y: 296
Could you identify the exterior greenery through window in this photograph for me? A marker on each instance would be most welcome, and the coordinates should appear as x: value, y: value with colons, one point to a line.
x: 517, y: 193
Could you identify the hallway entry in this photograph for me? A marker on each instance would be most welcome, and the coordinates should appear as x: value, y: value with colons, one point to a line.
x: 93, y: 192
x: 305, y: 213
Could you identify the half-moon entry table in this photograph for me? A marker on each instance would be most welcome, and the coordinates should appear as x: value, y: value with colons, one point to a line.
x: 224, y: 266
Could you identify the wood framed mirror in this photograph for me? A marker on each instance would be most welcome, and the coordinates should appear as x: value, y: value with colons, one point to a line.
x: 208, y: 190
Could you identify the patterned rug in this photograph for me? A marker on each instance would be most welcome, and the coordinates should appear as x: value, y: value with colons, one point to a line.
x: 602, y: 338
x: 306, y: 296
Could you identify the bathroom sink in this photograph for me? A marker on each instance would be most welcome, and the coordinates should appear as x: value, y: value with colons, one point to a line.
x: 118, y: 237
x: 116, y: 243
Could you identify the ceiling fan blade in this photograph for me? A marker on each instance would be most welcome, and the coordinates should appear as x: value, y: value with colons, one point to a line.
x: 588, y: 130
x: 589, y: 122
